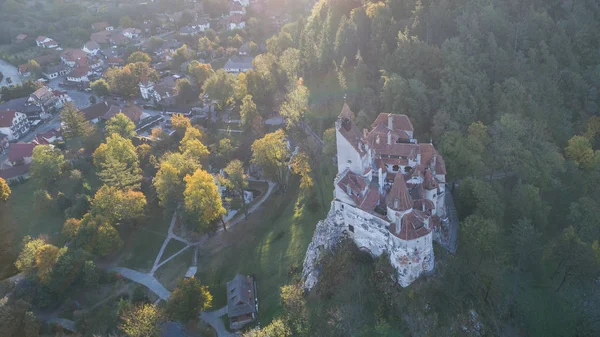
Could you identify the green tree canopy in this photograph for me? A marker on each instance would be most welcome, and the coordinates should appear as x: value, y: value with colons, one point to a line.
x: 188, y: 299
x: 47, y: 165
x: 74, y: 122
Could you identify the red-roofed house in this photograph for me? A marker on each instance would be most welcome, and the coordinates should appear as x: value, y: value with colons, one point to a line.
x: 48, y: 137
x: 13, y: 124
x: 45, y: 42
x: 79, y: 75
x: 20, y: 153
x: 70, y: 56
x: 24, y: 70
x: 20, y: 38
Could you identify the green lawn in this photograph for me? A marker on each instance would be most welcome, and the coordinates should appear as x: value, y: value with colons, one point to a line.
x: 142, y: 244
x: 271, y: 245
x: 19, y: 217
x: 172, y: 247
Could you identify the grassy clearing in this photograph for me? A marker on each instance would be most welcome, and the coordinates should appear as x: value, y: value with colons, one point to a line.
x: 271, y: 245
x: 170, y: 272
x: 172, y: 247
x: 143, y: 243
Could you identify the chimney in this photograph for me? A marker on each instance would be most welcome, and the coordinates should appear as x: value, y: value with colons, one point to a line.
x: 389, y: 137
x: 433, y: 163
x: 390, y: 126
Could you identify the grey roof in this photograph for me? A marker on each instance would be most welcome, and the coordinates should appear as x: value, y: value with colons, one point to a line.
x: 240, y: 296
x: 55, y: 69
x: 21, y: 105
x: 239, y: 62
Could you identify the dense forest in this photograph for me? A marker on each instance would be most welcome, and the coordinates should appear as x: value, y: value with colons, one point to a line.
x: 508, y: 92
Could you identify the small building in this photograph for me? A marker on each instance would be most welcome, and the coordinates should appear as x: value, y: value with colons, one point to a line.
x: 239, y: 64
x: 45, y: 42
x: 91, y: 47
x: 242, y: 304
x: 70, y: 56
x: 15, y: 173
x: 55, y: 71
x: 101, y: 37
x: 24, y: 70
x: 49, y: 137
x: 20, y: 38
x: 14, y: 124
x: 23, y: 105
x: 79, y: 75
x: 99, y: 26
x: 95, y: 112
x: 20, y: 153
x: 131, y: 33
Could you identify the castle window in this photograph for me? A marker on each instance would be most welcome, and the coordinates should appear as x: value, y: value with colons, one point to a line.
x: 351, y: 228
x: 395, y: 168
x: 407, y: 168
x: 349, y: 161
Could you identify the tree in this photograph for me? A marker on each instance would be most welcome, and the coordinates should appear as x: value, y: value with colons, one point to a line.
x: 117, y: 149
x: 118, y: 174
x: 330, y: 147
x: 290, y: 62
x: 580, y: 150
x: 237, y: 180
x: 200, y: 72
x: 117, y: 205
x: 169, y: 182
x: 300, y: 166
x: 142, y: 321
x: 184, y: 91
x: 4, y: 190
x: 34, y: 68
x: 31, y: 325
x: 248, y: 112
x: 225, y: 148
x: 74, y: 122
x: 125, y: 81
x: 202, y: 199
x: 220, y: 87
x: 271, y: 154
x: 192, y: 147
x: 90, y: 274
x: 139, y: 56
x: 125, y: 22
x: 188, y: 299
x: 181, y: 55
x: 47, y: 165
x: 276, y: 328
x: 45, y: 259
x: 100, y: 87
x: 575, y: 259
x: 121, y: 125
x: 295, y: 106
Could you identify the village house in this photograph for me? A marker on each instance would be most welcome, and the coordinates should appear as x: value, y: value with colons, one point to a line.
x: 389, y: 195
x: 99, y: 26
x: 62, y: 97
x: 70, y: 56
x: 118, y: 39
x: 161, y: 91
x: 79, y: 75
x: 131, y: 33
x: 48, y: 137
x: 14, y: 124
x: 237, y: 8
x: 242, y: 304
x: 20, y: 38
x: 95, y: 112
x: 23, y: 70
x: 132, y: 111
x: 91, y: 47
x: 55, y: 71
x: 14, y: 173
x: 244, y: 49
x: 101, y: 37
x: 23, y: 105
x: 20, y: 153
x: 235, y: 21
x: 44, y: 98
x: 239, y: 64
x: 45, y: 42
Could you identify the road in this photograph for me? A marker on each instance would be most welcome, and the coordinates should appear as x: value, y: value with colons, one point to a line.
x: 9, y: 71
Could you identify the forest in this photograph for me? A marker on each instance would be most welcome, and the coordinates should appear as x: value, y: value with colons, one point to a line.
x: 508, y: 93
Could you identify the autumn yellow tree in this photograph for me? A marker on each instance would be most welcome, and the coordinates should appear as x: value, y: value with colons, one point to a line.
x: 141, y: 321
x: 4, y: 190
x: 118, y: 206
x: 203, y: 200
x: 192, y: 147
x: 237, y: 180
x: 271, y: 153
x: 300, y: 166
x: 169, y: 182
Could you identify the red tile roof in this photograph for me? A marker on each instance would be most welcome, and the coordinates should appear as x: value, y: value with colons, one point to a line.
x: 427, y: 154
x: 18, y: 151
x: 71, y: 54
x: 412, y: 226
x: 102, y: 36
x: 398, y: 199
x: 399, y: 122
x: 14, y: 171
x: 6, y: 118
x: 79, y: 72
x: 21, y: 36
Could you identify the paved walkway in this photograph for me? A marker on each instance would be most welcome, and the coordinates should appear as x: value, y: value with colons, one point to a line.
x: 213, y: 319
x: 148, y: 280
x: 254, y: 207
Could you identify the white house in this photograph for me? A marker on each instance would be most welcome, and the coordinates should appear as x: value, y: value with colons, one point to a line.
x: 146, y: 89
x: 13, y: 124
x: 45, y: 42
x: 91, y: 47
x: 202, y: 25
x: 55, y: 71
x: 239, y: 64
x: 62, y: 97
x: 131, y: 33
x: 79, y: 75
x: 389, y: 197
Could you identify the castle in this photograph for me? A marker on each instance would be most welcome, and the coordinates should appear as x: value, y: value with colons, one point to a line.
x: 388, y: 197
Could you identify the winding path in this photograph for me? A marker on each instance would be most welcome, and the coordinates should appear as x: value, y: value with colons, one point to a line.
x: 213, y: 318
x: 146, y: 279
